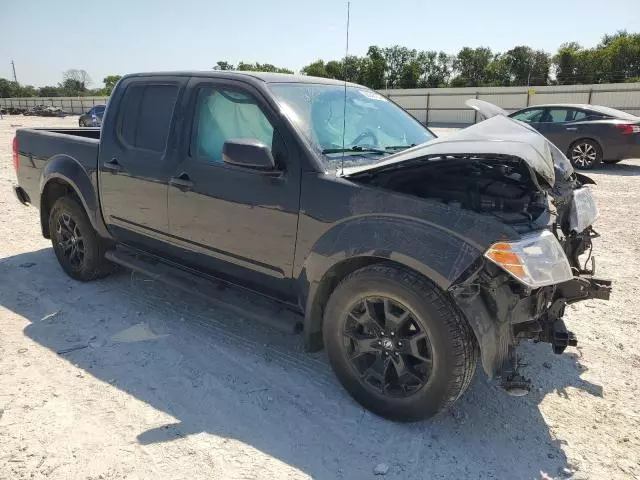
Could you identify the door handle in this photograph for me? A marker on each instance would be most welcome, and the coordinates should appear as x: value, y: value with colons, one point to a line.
x: 572, y: 129
x: 182, y: 182
x: 112, y: 165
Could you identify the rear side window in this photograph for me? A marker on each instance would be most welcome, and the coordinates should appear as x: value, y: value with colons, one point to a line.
x: 145, y: 116
x: 576, y: 115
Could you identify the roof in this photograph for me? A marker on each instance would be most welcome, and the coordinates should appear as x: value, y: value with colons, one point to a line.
x: 267, y: 77
x: 613, y: 112
x: 568, y: 105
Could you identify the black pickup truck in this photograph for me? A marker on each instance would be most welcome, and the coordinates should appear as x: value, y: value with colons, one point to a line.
x: 409, y: 257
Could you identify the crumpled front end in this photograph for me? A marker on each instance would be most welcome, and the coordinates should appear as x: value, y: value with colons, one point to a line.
x: 520, y: 290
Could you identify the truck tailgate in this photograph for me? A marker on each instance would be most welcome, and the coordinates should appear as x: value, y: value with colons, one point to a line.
x: 36, y: 147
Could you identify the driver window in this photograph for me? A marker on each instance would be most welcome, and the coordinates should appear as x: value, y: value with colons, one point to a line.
x: 530, y: 116
x: 223, y: 114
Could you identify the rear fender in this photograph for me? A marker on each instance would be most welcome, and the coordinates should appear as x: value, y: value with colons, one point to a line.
x: 67, y: 170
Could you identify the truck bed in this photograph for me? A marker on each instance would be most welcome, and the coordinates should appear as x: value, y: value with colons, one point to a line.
x: 37, y: 146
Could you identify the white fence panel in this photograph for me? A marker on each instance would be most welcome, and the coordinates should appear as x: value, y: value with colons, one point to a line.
x: 446, y: 106
x: 435, y: 106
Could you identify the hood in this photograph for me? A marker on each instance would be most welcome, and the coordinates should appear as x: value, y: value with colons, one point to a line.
x: 498, y: 135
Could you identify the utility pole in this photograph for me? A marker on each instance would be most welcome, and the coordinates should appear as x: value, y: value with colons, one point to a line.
x: 13, y: 66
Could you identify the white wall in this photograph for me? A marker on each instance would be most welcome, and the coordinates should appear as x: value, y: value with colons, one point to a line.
x: 75, y: 105
x: 446, y: 106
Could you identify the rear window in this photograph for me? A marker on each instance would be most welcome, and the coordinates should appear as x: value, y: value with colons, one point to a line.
x: 145, y: 116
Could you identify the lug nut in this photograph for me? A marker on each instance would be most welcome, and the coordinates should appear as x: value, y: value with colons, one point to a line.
x: 392, y: 334
x: 399, y: 344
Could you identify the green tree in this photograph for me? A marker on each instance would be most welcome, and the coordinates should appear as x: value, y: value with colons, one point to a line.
x: 435, y: 69
x: 397, y: 58
x: 75, y: 82
x: 471, y: 65
x: 498, y: 72
x: 8, y: 88
x: 49, y: 91
x: 410, y: 74
x: 618, y: 56
x: 223, y: 65
x: 526, y: 66
x: 575, y: 65
x: 315, y: 69
x: 27, y: 91
x: 109, y: 83
x: 373, y: 68
x: 334, y: 69
x: 261, y: 67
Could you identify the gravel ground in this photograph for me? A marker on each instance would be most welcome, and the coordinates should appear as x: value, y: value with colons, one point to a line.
x: 125, y: 378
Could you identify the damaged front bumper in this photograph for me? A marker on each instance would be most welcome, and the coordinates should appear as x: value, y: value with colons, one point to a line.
x: 502, y: 312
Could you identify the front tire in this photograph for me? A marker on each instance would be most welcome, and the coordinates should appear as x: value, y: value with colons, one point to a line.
x: 585, y: 154
x: 397, y: 344
x: 79, y: 249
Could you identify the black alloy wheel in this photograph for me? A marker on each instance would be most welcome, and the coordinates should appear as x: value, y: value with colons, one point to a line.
x: 397, y: 343
x: 79, y: 249
x: 387, y: 347
x: 70, y: 241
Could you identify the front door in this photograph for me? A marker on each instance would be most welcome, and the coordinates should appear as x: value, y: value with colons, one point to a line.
x: 235, y: 222
x: 532, y: 116
x: 137, y: 160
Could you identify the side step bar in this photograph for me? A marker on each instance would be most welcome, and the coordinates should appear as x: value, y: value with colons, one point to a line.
x: 225, y: 296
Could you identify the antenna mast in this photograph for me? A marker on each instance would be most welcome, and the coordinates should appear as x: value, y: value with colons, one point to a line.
x: 13, y: 66
x: 344, y: 111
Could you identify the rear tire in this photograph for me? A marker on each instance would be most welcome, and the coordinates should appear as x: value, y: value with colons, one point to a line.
x: 585, y: 154
x: 79, y: 249
x: 397, y: 343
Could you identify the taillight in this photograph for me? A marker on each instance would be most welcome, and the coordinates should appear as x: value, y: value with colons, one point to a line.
x: 16, y: 157
x: 628, y: 128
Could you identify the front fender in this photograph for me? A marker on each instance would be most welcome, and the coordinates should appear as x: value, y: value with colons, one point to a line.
x: 439, y: 254
x: 66, y: 169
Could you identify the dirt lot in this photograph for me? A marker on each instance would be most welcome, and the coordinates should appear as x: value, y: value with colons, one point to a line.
x: 124, y: 378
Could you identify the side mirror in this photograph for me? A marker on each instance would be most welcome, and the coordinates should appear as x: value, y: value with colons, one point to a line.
x: 251, y: 154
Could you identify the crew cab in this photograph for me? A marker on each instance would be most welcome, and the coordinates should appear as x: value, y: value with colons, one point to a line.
x: 409, y: 257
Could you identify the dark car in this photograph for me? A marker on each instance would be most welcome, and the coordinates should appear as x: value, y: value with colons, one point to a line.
x: 587, y: 134
x: 408, y: 264
x: 92, y: 118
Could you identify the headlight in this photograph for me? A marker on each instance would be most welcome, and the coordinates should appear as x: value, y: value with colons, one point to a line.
x: 536, y: 260
x: 583, y: 210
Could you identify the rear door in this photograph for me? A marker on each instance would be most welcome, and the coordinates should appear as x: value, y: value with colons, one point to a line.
x: 234, y: 222
x: 137, y: 158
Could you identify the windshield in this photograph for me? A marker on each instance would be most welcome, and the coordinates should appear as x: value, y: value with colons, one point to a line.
x: 373, y: 126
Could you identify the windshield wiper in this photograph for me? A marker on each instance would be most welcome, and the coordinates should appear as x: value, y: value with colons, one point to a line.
x: 399, y: 147
x: 357, y: 149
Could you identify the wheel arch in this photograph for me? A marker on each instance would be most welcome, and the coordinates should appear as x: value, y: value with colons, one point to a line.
x: 64, y: 176
x: 436, y: 253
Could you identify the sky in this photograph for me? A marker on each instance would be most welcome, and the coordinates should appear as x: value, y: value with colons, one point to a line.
x: 45, y: 37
